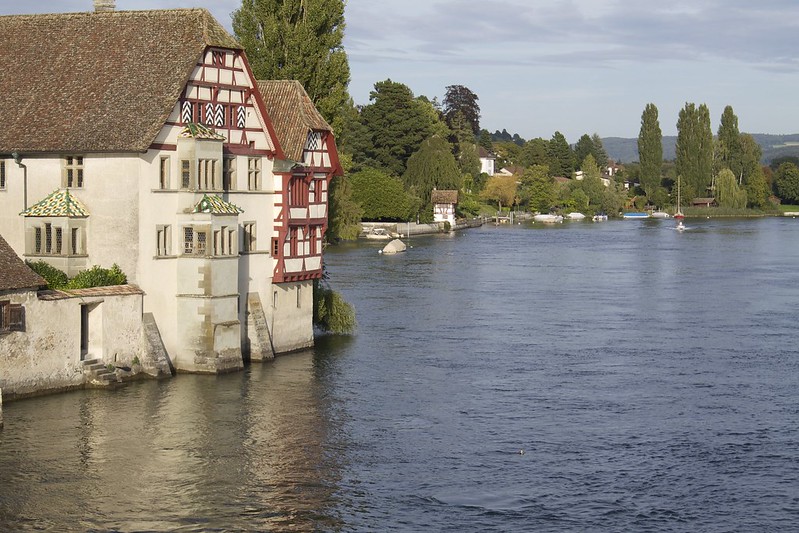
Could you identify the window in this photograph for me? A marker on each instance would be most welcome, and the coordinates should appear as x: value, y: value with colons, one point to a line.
x: 298, y: 193
x: 2, y: 175
x: 59, y: 239
x: 249, y: 237
x: 207, y: 174
x: 48, y: 238
x: 229, y: 173
x: 163, y: 240
x: 254, y: 173
x: 218, y: 58
x: 37, y: 240
x: 275, y: 247
x: 194, y: 241
x: 73, y: 172
x: 312, y: 192
x: 12, y: 317
x: 223, y: 241
x: 185, y: 174
x: 163, y: 179
x: 75, y: 242
x: 293, y: 238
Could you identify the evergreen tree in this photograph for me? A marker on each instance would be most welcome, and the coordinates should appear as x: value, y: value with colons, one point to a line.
x: 599, y: 153
x: 298, y: 40
x: 650, y: 150
x: 561, y: 158
x: 396, y: 124
x: 583, y: 148
x: 460, y: 99
x: 534, y: 152
x: 484, y: 140
x: 694, y: 150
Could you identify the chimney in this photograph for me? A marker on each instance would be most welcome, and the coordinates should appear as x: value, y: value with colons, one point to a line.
x: 103, y: 6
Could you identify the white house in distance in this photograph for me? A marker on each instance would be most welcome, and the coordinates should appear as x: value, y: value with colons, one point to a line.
x: 487, y: 161
x: 444, y: 203
x: 142, y: 138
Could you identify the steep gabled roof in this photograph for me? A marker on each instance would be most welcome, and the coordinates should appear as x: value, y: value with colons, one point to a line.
x: 14, y: 274
x: 444, y: 197
x: 482, y: 153
x: 59, y: 203
x: 293, y: 114
x: 99, y: 81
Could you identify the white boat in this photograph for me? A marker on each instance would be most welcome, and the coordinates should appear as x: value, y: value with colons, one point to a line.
x: 548, y: 219
x: 599, y: 218
x: 680, y: 226
x: 378, y: 234
x: 678, y: 215
x: 660, y: 214
x: 575, y: 216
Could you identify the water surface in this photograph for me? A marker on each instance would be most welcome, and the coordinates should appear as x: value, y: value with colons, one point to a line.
x: 650, y: 377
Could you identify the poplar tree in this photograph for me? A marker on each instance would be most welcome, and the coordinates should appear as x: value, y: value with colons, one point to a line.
x: 694, y: 161
x: 298, y: 40
x: 729, y: 144
x: 650, y: 150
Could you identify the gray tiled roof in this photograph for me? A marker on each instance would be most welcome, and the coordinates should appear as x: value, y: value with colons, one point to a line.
x: 293, y: 114
x: 14, y: 274
x: 97, y: 82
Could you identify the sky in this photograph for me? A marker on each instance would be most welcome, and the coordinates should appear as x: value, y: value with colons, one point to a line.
x: 574, y: 66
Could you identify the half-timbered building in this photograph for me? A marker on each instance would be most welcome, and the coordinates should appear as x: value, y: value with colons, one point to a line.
x: 142, y: 138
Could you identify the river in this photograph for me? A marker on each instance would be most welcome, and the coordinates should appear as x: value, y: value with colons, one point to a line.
x: 650, y: 378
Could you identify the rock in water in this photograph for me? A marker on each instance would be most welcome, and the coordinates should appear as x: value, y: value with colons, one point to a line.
x: 394, y: 247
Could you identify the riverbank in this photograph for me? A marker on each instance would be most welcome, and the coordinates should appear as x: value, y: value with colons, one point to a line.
x: 405, y: 229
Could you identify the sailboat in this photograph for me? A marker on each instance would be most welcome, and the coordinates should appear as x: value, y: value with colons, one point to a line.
x: 678, y: 214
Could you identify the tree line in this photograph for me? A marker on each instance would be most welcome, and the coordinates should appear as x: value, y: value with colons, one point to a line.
x: 399, y: 146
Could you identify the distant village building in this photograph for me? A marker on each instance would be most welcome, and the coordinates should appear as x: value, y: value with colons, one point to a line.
x: 487, y: 161
x: 141, y: 138
x: 444, y: 203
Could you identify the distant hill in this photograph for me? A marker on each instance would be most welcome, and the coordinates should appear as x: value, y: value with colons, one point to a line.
x: 625, y: 150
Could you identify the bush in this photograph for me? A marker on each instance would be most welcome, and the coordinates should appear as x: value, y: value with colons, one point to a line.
x: 98, y: 277
x: 55, y: 278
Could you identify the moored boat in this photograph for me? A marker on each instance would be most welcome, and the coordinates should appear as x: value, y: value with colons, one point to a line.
x: 575, y: 216
x: 548, y: 219
x: 636, y: 215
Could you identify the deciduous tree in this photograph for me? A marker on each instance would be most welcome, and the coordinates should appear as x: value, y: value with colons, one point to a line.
x: 381, y: 196
x: 650, y: 150
x: 500, y: 189
x: 298, y: 40
x: 786, y: 181
x: 694, y: 160
x: 432, y: 166
x: 460, y: 99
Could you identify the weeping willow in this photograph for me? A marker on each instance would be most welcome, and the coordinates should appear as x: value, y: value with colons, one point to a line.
x: 728, y: 193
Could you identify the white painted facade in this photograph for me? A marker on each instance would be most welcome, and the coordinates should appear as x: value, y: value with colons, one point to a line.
x: 140, y: 206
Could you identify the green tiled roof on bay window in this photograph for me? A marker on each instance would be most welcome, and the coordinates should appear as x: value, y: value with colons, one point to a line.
x: 60, y: 203
x: 215, y: 205
x: 200, y: 131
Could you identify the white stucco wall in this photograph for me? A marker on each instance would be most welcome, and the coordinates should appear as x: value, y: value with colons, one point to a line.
x: 47, y: 355
x: 290, y: 314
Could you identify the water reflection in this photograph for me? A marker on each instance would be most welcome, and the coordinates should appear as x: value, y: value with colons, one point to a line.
x: 251, y: 451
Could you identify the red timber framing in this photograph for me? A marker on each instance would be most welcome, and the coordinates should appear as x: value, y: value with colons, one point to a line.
x: 306, y: 190
x: 221, y: 96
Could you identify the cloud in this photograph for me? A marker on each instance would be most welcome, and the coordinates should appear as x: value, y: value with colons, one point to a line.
x: 575, y: 32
